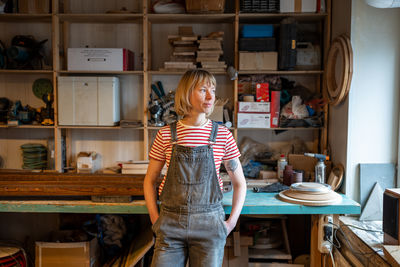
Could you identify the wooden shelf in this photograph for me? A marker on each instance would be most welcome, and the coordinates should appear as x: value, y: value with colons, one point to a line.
x: 90, y: 127
x: 129, y: 72
x: 101, y: 18
x: 100, y: 127
x: 146, y: 35
x: 282, y: 72
x: 192, y: 18
x: 163, y: 72
x: 7, y: 71
x: 26, y: 127
x: 281, y: 129
x: 276, y: 17
x: 22, y: 18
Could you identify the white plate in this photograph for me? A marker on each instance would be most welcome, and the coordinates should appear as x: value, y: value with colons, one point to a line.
x: 311, y: 187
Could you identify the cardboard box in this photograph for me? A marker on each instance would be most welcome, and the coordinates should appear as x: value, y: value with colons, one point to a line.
x: 217, y: 114
x: 258, y: 60
x: 103, y: 59
x: 34, y: 6
x: 275, y: 108
x: 254, y: 107
x: 231, y: 257
x: 72, y: 254
x: 289, y: 6
x: 262, y: 92
x: 254, y: 120
x: 90, y: 101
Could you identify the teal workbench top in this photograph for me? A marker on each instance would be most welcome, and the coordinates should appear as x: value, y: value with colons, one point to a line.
x: 256, y: 203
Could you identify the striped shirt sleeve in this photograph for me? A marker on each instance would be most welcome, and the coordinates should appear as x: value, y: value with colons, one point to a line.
x: 158, y: 148
x: 231, y: 149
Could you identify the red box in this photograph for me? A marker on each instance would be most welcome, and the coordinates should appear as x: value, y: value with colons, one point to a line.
x: 262, y: 92
x: 275, y: 108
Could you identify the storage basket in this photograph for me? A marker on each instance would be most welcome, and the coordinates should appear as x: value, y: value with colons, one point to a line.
x: 205, y: 6
x: 257, y: 6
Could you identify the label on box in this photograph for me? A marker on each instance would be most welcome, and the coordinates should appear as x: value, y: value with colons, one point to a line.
x: 262, y: 92
x: 254, y: 107
x: 254, y: 120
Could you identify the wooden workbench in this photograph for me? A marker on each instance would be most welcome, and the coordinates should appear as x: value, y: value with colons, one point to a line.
x: 256, y: 203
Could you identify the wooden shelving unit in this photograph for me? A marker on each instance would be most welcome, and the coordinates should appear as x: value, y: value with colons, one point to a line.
x: 86, y: 23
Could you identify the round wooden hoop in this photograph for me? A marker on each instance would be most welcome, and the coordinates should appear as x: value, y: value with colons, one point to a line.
x: 340, y: 46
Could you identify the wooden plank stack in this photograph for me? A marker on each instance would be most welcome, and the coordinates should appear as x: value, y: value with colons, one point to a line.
x: 185, y: 47
x: 210, y: 51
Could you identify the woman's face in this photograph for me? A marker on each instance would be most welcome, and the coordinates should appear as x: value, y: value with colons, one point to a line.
x: 203, y: 98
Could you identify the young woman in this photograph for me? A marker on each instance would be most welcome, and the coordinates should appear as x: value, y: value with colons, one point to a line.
x: 191, y: 223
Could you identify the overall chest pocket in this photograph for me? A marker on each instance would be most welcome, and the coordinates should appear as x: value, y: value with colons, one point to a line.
x: 192, y: 170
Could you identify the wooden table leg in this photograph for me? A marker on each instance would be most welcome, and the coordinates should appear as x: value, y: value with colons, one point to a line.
x: 315, y: 255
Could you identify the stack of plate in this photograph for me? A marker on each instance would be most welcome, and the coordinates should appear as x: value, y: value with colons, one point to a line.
x: 34, y: 156
x: 310, y: 194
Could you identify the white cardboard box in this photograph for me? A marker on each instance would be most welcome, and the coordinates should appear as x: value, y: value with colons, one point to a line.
x: 254, y: 120
x: 105, y: 59
x: 254, y: 107
x: 288, y: 6
x: 88, y: 101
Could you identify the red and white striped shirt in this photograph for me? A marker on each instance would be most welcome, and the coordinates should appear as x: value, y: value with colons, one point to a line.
x: 225, y: 147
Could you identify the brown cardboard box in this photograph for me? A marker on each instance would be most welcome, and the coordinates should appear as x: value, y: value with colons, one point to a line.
x: 34, y: 6
x: 242, y: 253
x: 307, y: 164
x: 258, y: 60
x: 205, y: 6
x: 71, y: 254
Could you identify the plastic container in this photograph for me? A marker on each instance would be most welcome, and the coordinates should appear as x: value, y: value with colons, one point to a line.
x: 282, y: 162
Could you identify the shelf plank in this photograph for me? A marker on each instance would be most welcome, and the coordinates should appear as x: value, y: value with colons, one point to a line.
x: 90, y: 127
x: 133, y: 72
x: 192, y: 18
x: 102, y: 18
x: 21, y: 18
x: 301, y: 17
x: 258, y: 129
x: 99, y: 127
x: 26, y: 126
x: 161, y: 72
x: 7, y: 71
x: 280, y: 129
x: 282, y: 72
x: 67, y: 184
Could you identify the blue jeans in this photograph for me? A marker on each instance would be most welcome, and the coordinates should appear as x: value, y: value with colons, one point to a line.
x: 199, y: 236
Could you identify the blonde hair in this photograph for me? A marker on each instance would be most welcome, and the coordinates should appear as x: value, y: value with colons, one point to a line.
x: 189, y: 81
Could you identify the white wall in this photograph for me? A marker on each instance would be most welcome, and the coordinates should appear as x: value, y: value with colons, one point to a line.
x: 373, y: 101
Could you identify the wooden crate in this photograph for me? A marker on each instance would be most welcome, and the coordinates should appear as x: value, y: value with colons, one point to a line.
x: 205, y: 6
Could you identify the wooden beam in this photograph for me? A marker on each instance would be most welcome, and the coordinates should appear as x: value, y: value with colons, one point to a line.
x: 65, y: 184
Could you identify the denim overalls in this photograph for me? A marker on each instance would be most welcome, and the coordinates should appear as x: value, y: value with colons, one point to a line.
x: 191, y: 216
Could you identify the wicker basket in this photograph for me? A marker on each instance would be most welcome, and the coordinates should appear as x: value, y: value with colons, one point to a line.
x: 205, y: 6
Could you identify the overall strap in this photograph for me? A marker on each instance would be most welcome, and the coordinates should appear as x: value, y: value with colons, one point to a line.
x: 174, y: 136
x: 214, y: 132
